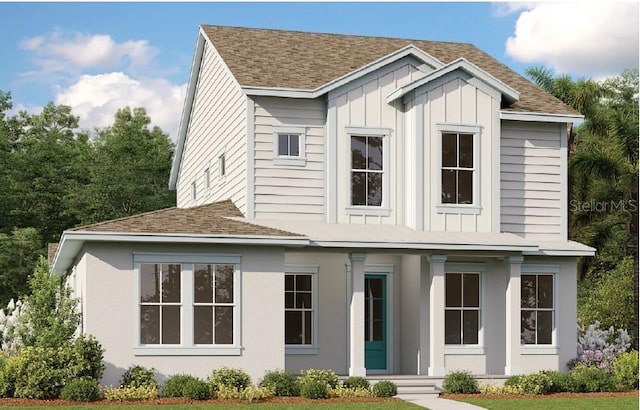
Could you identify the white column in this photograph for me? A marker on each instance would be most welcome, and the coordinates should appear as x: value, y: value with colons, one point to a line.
x: 356, y: 320
x: 423, y: 342
x: 436, y: 315
x: 512, y: 306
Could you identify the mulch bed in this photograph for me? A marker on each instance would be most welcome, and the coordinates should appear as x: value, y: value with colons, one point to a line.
x: 539, y: 396
x: 167, y: 401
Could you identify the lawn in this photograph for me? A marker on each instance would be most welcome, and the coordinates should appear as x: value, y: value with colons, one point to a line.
x: 550, y: 403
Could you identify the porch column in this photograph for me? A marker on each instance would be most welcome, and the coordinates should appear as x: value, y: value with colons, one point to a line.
x: 436, y: 315
x: 356, y: 318
x: 512, y: 306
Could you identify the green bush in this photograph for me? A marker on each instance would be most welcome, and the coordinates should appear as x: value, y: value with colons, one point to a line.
x: 225, y: 376
x: 8, y: 373
x: 314, y: 389
x: 625, y: 371
x: 591, y: 379
x: 196, y: 389
x: 460, y: 382
x: 283, y: 383
x: 138, y: 376
x: 349, y: 392
x: 536, y: 383
x: 356, y: 382
x: 130, y: 393
x: 385, y: 388
x: 560, y: 382
x: 513, y: 381
x: 85, y: 356
x: 81, y: 390
x: 326, y: 376
x: 41, y: 373
x: 174, y: 386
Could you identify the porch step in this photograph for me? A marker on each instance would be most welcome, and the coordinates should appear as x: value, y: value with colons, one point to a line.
x: 409, y: 386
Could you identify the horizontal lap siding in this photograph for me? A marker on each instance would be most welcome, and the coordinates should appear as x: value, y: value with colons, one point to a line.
x: 283, y: 191
x: 531, y: 180
x: 217, y: 124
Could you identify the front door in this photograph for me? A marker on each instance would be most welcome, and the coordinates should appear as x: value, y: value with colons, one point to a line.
x: 375, y: 322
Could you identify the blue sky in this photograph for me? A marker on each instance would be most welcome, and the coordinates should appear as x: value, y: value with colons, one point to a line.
x: 98, y: 57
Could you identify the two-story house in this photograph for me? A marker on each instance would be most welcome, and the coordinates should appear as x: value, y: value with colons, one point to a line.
x: 369, y: 205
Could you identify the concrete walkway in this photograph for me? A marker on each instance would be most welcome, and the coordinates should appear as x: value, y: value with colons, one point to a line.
x: 435, y: 403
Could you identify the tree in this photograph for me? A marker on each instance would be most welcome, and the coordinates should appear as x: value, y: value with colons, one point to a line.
x: 131, y: 165
x: 19, y: 254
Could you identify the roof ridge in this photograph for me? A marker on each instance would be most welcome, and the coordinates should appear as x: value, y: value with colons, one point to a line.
x: 334, y: 34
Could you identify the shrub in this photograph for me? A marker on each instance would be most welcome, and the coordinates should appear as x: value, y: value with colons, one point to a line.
x: 85, y: 356
x: 560, y: 382
x: 536, y: 383
x: 130, y: 393
x: 174, y: 386
x: 343, y: 392
x: 225, y: 376
x: 356, y: 382
x: 513, y: 381
x: 385, y: 388
x: 505, y: 389
x: 81, y: 390
x: 8, y: 373
x: 196, y: 389
x: 460, y: 382
x: 138, y: 376
x: 250, y: 394
x: 591, y: 379
x: 282, y: 383
x: 625, y: 371
x: 40, y: 373
x: 326, y: 376
x: 598, y: 347
x: 314, y: 389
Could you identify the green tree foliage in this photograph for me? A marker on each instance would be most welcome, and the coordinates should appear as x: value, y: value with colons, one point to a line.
x: 131, y: 169
x: 603, y: 172
x: 19, y: 253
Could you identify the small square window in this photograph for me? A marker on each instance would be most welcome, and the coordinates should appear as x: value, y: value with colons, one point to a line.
x: 289, y: 145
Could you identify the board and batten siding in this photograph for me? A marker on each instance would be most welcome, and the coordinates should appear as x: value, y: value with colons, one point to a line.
x: 455, y: 99
x: 217, y: 125
x: 289, y: 191
x: 363, y: 104
x: 532, y: 180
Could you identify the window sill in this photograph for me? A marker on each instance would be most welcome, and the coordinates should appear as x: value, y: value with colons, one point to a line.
x: 187, y: 351
x: 458, y: 209
x: 300, y: 350
x: 533, y: 350
x: 464, y: 350
x: 290, y: 161
x: 367, y: 210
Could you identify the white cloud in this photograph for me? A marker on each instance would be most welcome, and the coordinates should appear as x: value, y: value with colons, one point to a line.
x: 594, y: 39
x: 96, y: 98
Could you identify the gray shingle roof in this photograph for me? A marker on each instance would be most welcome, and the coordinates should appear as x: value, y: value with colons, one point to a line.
x: 211, y: 219
x: 301, y: 60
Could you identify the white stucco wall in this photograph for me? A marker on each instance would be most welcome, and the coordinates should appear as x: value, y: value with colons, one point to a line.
x: 111, y: 302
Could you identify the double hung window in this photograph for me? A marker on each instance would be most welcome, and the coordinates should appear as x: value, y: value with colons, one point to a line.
x: 462, y: 308
x: 536, y: 313
x: 367, y: 170
x: 457, y: 168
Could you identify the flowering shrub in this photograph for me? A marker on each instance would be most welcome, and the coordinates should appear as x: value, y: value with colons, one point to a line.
x: 599, y: 347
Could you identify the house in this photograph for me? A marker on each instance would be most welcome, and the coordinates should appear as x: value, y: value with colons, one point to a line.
x: 369, y: 205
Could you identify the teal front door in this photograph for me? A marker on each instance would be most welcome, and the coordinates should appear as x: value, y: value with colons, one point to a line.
x: 375, y: 322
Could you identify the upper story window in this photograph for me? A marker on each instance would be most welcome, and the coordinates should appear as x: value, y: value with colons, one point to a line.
x: 367, y: 168
x: 194, y: 191
x: 222, y: 166
x: 207, y: 179
x: 459, y: 157
x: 457, y: 168
x: 537, y: 308
x: 289, y: 145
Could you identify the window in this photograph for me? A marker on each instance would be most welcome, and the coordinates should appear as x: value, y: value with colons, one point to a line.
x: 194, y: 191
x: 457, y: 168
x: 462, y: 308
x: 160, y: 297
x: 187, y: 304
x: 299, y: 307
x: 536, y: 314
x: 222, y: 167
x: 207, y: 179
x: 213, y: 304
x: 367, y: 170
x: 289, y: 145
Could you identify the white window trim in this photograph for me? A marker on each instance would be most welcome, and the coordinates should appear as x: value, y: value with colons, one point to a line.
x: 384, y: 209
x: 222, y: 157
x: 301, y: 159
x: 312, y: 349
x: 186, y: 346
x: 466, y: 209
x: 206, y: 177
x: 544, y: 269
x: 476, y: 349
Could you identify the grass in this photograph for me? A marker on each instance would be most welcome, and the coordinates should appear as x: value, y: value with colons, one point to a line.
x: 257, y: 406
x: 550, y: 403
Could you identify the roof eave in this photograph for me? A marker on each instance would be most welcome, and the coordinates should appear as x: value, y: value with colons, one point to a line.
x: 539, y: 117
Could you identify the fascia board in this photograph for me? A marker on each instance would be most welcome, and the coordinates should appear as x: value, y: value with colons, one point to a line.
x: 539, y: 117
x: 424, y: 246
x: 551, y: 252
x: 409, y: 50
x: 186, y: 110
x: 462, y: 64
